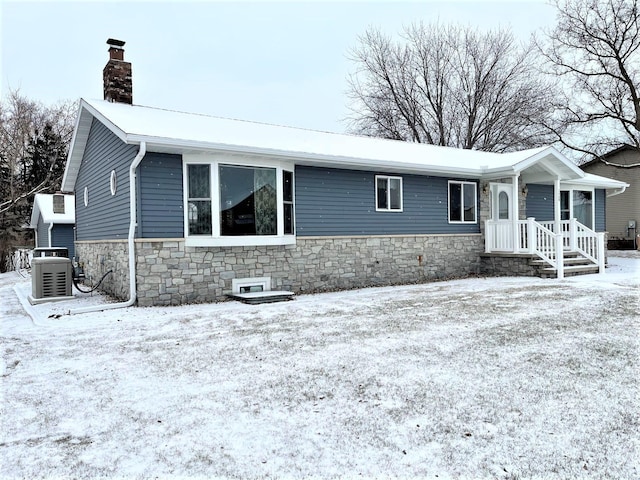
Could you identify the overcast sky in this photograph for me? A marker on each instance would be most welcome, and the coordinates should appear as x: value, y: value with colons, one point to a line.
x: 283, y: 63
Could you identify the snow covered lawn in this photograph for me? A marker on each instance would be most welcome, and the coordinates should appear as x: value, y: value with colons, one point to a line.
x: 507, y: 378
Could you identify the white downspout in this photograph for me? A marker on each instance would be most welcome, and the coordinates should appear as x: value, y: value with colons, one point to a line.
x: 131, y: 241
x: 49, y: 234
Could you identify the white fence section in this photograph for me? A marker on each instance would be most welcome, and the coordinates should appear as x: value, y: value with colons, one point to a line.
x: 547, y: 240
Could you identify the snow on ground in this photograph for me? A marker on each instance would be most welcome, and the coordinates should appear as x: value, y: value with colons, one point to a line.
x: 476, y: 378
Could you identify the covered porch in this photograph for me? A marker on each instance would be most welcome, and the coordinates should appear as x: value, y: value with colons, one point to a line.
x: 559, y: 225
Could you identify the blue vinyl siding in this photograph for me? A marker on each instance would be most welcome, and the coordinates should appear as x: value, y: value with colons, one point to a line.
x: 160, y: 212
x: 342, y: 202
x: 601, y: 210
x: 106, y: 216
x: 42, y: 237
x: 540, y: 205
x: 540, y: 202
x: 62, y: 236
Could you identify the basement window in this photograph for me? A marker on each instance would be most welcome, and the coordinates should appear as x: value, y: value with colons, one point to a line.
x: 251, y: 285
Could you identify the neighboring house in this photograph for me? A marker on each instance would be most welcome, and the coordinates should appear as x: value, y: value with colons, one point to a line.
x: 188, y: 208
x: 623, y: 211
x: 53, y: 220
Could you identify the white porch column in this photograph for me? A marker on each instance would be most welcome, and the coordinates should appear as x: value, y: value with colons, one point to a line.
x: 515, y: 201
x: 557, y: 206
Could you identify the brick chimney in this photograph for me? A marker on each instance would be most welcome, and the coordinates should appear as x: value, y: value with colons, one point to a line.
x: 117, y: 75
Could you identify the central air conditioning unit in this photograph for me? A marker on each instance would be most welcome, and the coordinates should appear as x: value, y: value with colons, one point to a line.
x: 50, y: 279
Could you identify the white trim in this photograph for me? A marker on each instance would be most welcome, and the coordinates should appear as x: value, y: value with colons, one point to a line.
x: 237, y: 283
x: 49, y: 234
x: 113, y: 182
x: 475, y: 200
x: 388, y: 178
x: 593, y: 203
x: 239, y: 241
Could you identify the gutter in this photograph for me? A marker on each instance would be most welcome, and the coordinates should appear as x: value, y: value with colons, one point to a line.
x: 49, y: 233
x: 132, y: 231
x: 617, y: 192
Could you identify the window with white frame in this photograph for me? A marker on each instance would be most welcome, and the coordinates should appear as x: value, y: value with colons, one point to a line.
x: 199, y: 199
x: 577, y: 204
x: 463, y: 202
x: 388, y: 194
x: 238, y: 203
x: 113, y: 182
x: 287, y: 200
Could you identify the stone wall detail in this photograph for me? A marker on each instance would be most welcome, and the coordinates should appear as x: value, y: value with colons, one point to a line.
x: 97, y: 258
x: 508, y: 265
x: 170, y: 273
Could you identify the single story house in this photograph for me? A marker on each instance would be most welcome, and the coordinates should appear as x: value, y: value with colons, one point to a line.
x: 53, y: 220
x: 189, y: 208
x: 622, y: 211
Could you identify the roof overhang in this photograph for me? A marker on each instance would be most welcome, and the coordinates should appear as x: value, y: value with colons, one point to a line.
x: 541, y: 165
x: 43, y: 208
x: 589, y: 180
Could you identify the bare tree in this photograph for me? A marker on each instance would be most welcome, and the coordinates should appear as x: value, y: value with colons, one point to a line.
x: 21, y: 120
x: 595, y: 48
x: 451, y: 86
x: 33, y: 143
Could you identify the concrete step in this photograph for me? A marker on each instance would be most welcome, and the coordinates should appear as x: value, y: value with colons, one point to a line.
x: 570, y: 271
x: 270, y: 296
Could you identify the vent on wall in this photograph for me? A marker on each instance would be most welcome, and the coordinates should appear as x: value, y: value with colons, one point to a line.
x: 257, y: 290
x: 58, y: 203
x: 249, y: 285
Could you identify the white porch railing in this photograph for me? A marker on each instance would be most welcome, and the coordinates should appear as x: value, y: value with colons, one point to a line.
x: 542, y: 240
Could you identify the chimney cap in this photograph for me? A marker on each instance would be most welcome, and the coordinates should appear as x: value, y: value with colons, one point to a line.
x: 115, y: 43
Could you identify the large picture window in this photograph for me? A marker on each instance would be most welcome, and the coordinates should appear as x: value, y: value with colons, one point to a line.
x: 238, y: 204
x: 388, y: 194
x: 463, y: 202
x: 248, y: 201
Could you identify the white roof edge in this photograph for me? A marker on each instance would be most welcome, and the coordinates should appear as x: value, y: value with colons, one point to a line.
x: 105, y: 121
x: 35, y: 210
x: 133, y: 130
x: 65, y: 176
x: 304, y: 157
x: 43, y: 207
x: 545, y: 151
x: 597, y: 181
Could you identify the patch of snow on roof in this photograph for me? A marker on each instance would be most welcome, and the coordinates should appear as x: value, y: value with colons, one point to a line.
x: 44, y: 204
x: 166, y: 127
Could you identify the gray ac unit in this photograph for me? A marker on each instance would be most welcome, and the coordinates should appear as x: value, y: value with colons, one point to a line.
x: 50, y: 279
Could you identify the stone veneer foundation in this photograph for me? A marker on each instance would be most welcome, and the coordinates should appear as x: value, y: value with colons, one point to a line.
x: 170, y: 273
x: 98, y: 257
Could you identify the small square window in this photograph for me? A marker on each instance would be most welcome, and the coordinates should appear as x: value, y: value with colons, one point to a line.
x: 463, y: 202
x: 388, y: 194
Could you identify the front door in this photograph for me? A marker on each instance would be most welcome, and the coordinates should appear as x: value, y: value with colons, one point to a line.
x: 502, y: 215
